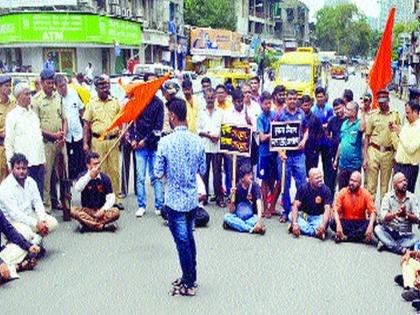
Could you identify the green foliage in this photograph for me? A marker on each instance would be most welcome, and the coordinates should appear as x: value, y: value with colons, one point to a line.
x: 344, y: 29
x: 399, y: 28
x: 215, y: 14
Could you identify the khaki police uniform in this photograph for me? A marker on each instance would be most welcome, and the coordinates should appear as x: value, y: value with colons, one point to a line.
x: 100, y: 114
x: 381, y: 150
x: 51, y: 116
x: 5, y: 108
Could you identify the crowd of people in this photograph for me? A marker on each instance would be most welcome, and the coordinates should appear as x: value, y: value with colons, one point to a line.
x: 54, y: 135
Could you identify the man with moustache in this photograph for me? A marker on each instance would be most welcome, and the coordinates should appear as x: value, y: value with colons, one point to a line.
x: 6, y: 105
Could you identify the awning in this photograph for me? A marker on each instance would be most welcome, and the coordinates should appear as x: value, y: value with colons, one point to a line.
x: 198, y: 58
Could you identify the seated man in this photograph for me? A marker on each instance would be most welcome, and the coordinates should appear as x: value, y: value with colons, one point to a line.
x: 410, y: 278
x: 21, y: 203
x: 96, y: 213
x: 398, y: 213
x: 352, y: 206
x: 12, y: 256
x: 201, y: 216
x: 245, y: 211
x: 312, y: 207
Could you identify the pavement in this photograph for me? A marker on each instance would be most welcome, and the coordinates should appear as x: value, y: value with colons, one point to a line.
x: 130, y: 271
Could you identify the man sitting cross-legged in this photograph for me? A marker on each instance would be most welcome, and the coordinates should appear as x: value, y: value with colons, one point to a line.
x: 21, y: 203
x: 352, y: 207
x: 97, y: 197
x: 245, y: 211
x: 399, y: 212
x: 312, y: 207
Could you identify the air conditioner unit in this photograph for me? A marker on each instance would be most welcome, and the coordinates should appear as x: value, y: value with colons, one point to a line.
x: 124, y: 12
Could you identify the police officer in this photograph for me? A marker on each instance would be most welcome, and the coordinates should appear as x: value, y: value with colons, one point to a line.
x: 100, y: 112
x: 6, y: 105
x: 47, y: 104
x: 379, y: 149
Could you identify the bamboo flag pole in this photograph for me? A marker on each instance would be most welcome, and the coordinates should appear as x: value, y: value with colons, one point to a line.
x: 283, y: 170
x: 234, y: 157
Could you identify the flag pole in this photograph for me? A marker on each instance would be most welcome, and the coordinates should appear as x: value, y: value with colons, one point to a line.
x: 116, y: 143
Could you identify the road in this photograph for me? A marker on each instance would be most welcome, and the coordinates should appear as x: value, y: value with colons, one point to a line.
x: 129, y: 271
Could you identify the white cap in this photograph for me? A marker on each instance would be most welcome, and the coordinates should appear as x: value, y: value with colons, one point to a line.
x: 20, y: 88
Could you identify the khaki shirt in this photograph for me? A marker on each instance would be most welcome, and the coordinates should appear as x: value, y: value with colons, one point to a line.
x: 100, y: 114
x: 49, y: 110
x: 377, y: 127
x: 192, y: 114
x: 5, y: 108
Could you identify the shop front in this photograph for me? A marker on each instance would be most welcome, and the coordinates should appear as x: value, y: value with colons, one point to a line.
x: 72, y: 39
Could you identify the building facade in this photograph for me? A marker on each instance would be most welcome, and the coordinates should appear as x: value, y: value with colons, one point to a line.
x: 404, y: 11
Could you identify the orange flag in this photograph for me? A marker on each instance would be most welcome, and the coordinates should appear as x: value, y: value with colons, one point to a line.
x: 140, y: 94
x: 381, y: 74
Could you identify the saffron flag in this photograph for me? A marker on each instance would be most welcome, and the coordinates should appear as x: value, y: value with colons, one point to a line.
x: 381, y: 73
x: 139, y: 94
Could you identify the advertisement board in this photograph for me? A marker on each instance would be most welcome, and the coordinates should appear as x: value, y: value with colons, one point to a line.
x: 34, y: 3
x: 62, y: 28
x: 207, y: 41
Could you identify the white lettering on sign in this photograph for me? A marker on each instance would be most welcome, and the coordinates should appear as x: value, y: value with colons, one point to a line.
x: 53, y: 36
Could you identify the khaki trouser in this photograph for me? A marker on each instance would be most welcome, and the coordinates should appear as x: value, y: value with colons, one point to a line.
x: 55, y: 159
x: 379, y: 163
x: 29, y: 233
x: 111, y: 165
x: 86, y: 217
x: 409, y: 271
x: 12, y: 254
x: 4, y: 169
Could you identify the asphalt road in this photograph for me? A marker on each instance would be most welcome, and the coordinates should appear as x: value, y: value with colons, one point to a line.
x: 129, y: 271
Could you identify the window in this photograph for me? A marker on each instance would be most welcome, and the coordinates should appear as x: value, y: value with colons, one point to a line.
x: 64, y: 59
x: 295, y: 73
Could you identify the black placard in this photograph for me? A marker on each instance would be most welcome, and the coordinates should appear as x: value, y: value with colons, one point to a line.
x: 235, y: 140
x: 285, y: 135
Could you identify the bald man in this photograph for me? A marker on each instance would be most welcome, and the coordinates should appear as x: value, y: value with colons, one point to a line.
x: 399, y: 211
x: 353, y: 205
x: 312, y: 207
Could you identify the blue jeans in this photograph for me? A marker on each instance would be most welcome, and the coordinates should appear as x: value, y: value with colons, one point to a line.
x: 181, y: 225
x: 309, y: 224
x: 295, y: 166
x: 146, y: 157
x: 238, y: 224
x: 393, y: 241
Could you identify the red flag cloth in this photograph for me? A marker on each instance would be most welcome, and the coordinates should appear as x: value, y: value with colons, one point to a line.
x: 381, y: 73
x: 140, y: 94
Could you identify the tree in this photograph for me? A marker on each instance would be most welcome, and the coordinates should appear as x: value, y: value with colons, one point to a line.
x: 344, y: 29
x: 215, y: 14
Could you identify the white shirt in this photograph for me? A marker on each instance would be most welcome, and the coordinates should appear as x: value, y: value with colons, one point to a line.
x: 17, y: 202
x: 233, y: 117
x: 23, y: 135
x: 72, y: 106
x: 211, y: 123
x: 89, y: 72
x: 254, y: 110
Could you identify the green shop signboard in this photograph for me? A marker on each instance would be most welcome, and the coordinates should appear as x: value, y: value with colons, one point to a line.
x: 71, y: 28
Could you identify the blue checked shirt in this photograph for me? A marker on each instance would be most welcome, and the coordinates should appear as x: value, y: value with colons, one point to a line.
x: 180, y: 156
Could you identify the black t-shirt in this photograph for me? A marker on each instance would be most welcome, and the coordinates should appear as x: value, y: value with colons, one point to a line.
x: 94, y: 194
x: 313, y: 200
x: 334, y: 128
x: 242, y: 195
x: 314, y: 132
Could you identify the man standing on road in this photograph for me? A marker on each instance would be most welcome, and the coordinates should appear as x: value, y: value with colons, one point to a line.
x: 399, y: 211
x: 379, y: 148
x: 192, y: 105
x: 6, y: 105
x: 349, y: 152
x: 48, y: 105
x: 408, y: 151
x: 99, y: 114
x: 311, y: 209
x: 180, y: 157
x: 352, y: 206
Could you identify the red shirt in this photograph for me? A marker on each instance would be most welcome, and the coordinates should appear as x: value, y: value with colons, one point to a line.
x: 354, y: 206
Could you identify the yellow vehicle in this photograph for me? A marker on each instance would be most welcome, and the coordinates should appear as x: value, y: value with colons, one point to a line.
x: 299, y: 70
x: 222, y: 76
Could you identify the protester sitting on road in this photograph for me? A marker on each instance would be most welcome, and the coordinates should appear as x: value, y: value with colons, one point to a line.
x: 12, y: 256
x: 201, y: 216
x: 398, y: 213
x: 352, y: 206
x: 410, y: 277
x: 21, y: 203
x: 245, y: 211
x: 311, y: 209
x: 97, y: 212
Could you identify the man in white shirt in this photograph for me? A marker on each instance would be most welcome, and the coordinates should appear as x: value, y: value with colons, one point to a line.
x: 21, y: 203
x: 208, y: 128
x: 73, y: 108
x: 23, y: 135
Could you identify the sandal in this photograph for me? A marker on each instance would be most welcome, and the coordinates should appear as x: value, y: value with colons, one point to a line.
x: 178, y: 283
x: 183, y: 290
x: 221, y: 204
x: 28, y: 263
x: 282, y: 219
